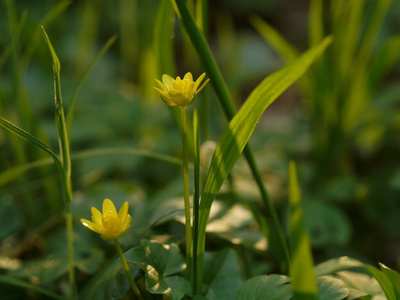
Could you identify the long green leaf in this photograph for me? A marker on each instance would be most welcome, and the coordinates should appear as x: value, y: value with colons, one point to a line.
x: 28, y: 286
x: 47, y: 19
x: 30, y: 138
x: 303, y: 284
x: 284, y: 49
x: 71, y: 108
x: 225, y: 99
x: 240, y: 129
x: 60, y: 118
x: 163, y: 33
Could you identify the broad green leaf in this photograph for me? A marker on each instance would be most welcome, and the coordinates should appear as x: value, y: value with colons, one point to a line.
x: 223, y: 275
x: 109, y: 283
x: 240, y: 129
x: 335, y: 265
x: 302, y: 265
x: 326, y: 224
x: 159, y: 261
x: 331, y: 288
x: 25, y: 285
x: 272, y: 287
x: 360, y: 284
x: 385, y: 283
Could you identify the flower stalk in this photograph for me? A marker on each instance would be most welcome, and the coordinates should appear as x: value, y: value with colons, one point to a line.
x: 186, y: 193
x: 127, y: 271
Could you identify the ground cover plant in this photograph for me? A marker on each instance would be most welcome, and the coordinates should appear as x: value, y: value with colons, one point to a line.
x: 157, y: 149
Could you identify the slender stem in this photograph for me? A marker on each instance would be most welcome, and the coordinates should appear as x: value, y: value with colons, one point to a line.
x: 225, y: 99
x: 197, y: 270
x: 185, y: 167
x: 70, y: 246
x: 126, y: 269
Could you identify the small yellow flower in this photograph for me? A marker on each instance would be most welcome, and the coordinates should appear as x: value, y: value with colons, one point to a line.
x: 180, y: 91
x: 109, y: 224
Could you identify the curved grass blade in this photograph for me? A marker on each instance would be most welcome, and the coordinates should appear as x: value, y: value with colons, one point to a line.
x: 240, y: 129
x: 30, y: 138
x: 22, y: 284
x: 284, y: 49
x: 13, y: 173
x: 71, y: 108
x: 302, y: 274
x: 226, y: 102
x: 9, y: 49
x: 48, y: 18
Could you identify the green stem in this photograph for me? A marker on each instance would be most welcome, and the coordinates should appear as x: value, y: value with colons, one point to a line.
x: 197, y: 270
x: 126, y: 269
x: 70, y: 246
x: 186, y: 197
x: 226, y: 102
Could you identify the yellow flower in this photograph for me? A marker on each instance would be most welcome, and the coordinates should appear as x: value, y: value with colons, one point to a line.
x: 109, y: 224
x: 180, y: 91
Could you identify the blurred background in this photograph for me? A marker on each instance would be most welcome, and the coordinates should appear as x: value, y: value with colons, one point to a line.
x: 341, y: 122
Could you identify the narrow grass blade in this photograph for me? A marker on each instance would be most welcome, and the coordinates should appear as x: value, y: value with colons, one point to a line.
x: 71, y: 108
x: 60, y: 117
x: 15, y: 172
x: 163, y: 33
x: 48, y: 18
x: 240, y: 129
x: 351, y: 35
x: 315, y: 22
x: 22, y: 284
x: 284, y: 49
x: 15, y: 37
x: 224, y: 97
x: 302, y: 274
x: 30, y: 138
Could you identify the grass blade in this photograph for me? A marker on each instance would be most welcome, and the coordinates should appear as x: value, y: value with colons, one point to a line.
x: 30, y: 138
x: 284, y: 49
x: 71, y: 108
x: 22, y: 284
x: 226, y: 102
x: 315, y: 22
x: 302, y: 274
x: 240, y: 129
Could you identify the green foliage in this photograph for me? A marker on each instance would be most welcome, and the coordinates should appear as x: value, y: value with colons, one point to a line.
x: 160, y: 262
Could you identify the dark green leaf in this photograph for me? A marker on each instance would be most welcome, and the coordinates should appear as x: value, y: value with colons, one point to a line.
x: 272, y: 287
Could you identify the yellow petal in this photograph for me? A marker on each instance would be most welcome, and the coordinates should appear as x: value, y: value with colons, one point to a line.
x: 202, y: 87
x: 167, y: 100
x: 167, y: 81
x: 199, y: 80
x: 188, y: 76
x: 123, y: 212
x: 96, y: 215
x: 108, y: 206
x: 161, y: 84
x: 126, y: 224
x: 92, y: 226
